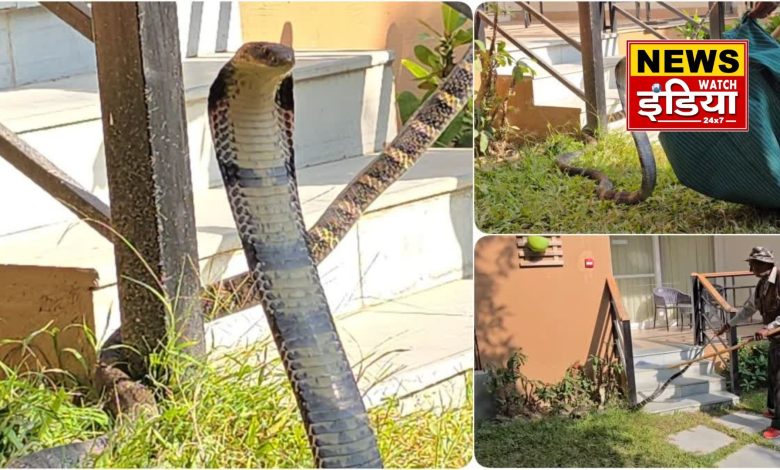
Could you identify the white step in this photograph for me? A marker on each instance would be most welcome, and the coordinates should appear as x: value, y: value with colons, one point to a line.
x: 682, y: 387
x: 648, y: 372
x: 699, y: 402
x: 396, y: 338
x: 345, y: 107
x: 558, y: 51
x: 417, y: 235
x: 548, y: 90
x: 665, y: 355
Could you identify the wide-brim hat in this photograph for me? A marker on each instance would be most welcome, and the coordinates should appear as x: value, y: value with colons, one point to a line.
x: 759, y: 253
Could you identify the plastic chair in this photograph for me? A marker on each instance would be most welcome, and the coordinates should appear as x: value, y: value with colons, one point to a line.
x: 667, y: 298
x: 711, y: 308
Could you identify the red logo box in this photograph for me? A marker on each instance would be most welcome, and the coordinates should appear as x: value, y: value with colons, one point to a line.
x: 687, y: 85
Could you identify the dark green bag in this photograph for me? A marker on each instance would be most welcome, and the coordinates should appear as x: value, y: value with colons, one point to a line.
x: 739, y: 167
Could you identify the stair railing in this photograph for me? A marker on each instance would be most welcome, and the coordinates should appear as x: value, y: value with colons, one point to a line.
x: 590, y: 21
x: 621, y: 336
x: 613, y: 9
x: 719, y: 292
x: 549, y: 68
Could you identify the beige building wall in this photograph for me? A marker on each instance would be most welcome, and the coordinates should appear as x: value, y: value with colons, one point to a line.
x: 34, y: 297
x: 557, y: 315
x: 345, y: 26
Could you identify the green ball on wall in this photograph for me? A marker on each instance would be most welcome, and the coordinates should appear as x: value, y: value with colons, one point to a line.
x: 538, y: 244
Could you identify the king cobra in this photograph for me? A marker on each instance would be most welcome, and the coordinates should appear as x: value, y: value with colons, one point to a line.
x: 606, y: 189
x: 251, y: 112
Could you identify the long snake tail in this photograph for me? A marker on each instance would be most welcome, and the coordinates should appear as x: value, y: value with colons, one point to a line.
x: 418, y: 134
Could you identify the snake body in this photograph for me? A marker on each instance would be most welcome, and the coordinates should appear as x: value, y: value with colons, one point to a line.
x: 606, y: 189
x: 251, y: 114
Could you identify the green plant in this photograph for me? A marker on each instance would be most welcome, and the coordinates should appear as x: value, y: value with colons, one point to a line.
x: 491, y: 107
x: 695, y: 29
x: 503, y: 383
x: 432, y: 67
x: 229, y: 409
x: 583, y: 388
x: 771, y: 24
x: 753, y: 360
x: 36, y: 413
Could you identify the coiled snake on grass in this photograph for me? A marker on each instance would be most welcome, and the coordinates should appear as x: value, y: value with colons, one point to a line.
x: 606, y: 189
x: 251, y: 113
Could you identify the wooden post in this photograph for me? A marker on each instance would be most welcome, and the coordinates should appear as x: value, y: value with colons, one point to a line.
x: 717, y: 20
x: 592, y: 66
x: 148, y: 168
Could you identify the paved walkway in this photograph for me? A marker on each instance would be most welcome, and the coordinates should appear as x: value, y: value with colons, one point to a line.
x: 705, y: 440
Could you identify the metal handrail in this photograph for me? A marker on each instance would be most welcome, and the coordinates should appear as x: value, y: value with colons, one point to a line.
x: 547, y: 22
x: 701, y: 284
x: 621, y: 334
x: 563, y: 80
x: 681, y: 14
x: 633, y: 19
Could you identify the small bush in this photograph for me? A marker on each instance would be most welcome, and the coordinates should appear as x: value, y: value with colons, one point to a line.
x: 582, y: 389
x: 753, y: 361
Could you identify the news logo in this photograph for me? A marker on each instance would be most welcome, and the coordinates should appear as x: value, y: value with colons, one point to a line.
x: 687, y: 86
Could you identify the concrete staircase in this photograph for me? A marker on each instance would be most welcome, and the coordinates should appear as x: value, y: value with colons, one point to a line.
x: 565, y: 59
x: 699, y: 388
x: 414, y: 242
x: 345, y: 103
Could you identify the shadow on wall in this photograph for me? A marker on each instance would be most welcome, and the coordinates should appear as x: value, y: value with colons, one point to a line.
x: 495, y: 341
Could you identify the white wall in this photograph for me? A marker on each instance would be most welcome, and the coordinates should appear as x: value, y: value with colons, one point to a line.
x: 732, y: 250
x: 37, y: 46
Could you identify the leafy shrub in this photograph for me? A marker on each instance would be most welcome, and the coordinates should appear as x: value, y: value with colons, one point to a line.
x: 753, y: 360
x: 490, y: 109
x: 582, y: 389
x: 432, y: 68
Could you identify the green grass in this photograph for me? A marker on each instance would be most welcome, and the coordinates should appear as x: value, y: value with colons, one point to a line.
x: 528, y: 194
x: 753, y: 401
x: 235, y: 411
x: 37, y: 414
x: 614, y: 438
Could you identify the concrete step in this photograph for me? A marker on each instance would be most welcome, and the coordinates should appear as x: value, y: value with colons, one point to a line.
x: 682, y: 387
x: 417, y: 235
x: 395, y: 337
x: 345, y: 107
x: 665, y: 355
x: 549, y: 90
x: 558, y: 51
x: 652, y: 373
x: 698, y: 402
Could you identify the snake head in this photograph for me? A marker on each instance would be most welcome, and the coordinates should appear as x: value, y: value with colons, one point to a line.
x: 265, y: 54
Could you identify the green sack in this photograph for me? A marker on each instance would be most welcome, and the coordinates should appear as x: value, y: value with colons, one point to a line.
x: 741, y: 167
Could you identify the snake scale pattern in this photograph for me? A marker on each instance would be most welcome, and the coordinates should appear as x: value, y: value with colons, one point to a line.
x: 251, y: 114
x: 606, y: 189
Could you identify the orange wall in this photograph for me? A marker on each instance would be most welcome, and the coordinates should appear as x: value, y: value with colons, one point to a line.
x: 552, y: 313
x: 342, y: 25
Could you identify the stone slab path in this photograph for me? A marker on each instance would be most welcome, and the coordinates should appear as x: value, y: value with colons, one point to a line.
x: 752, y: 456
x: 705, y: 440
x: 700, y: 440
x: 745, y: 422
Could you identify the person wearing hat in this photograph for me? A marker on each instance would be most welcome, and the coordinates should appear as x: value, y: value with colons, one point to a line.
x: 766, y: 302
